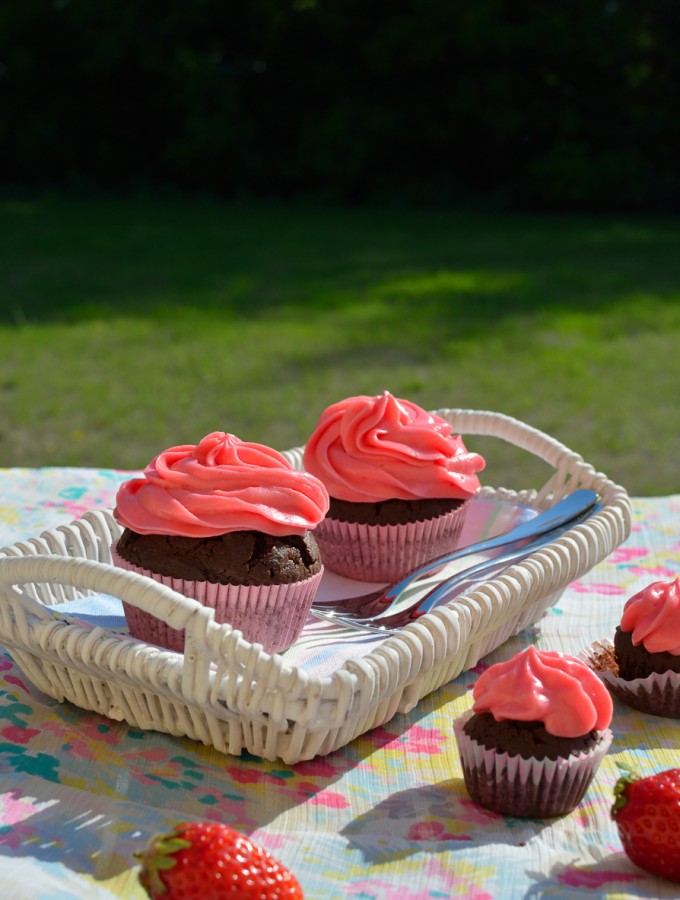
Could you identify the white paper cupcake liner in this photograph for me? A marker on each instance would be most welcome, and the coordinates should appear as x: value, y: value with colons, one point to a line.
x: 655, y: 694
x: 386, y: 552
x: 527, y: 788
x: 271, y: 615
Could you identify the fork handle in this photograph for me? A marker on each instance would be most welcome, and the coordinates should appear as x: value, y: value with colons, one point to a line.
x: 396, y: 619
x: 578, y: 503
x: 393, y: 621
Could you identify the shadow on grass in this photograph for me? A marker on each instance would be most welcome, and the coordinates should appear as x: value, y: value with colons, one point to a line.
x: 69, y: 261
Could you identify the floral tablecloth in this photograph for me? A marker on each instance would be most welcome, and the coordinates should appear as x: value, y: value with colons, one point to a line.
x: 385, y: 817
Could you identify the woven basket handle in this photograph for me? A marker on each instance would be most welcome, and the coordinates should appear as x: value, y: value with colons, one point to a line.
x: 571, y: 470
x: 87, y: 574
x: 513, y: 431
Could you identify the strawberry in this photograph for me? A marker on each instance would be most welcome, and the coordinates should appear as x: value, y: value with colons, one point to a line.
x: 210, y: 861
x: 647, y: 815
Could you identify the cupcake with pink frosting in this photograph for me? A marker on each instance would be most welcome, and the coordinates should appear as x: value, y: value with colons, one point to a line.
x: 398, y: 480
x: 536, y: 734
x: 642, y: 665
x: 228, y: 523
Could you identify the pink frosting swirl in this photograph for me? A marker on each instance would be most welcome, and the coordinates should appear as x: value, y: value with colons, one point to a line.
x: 221, y: 484
x: 543, y: 686
x: 368, y: 449
x: 653, y: 617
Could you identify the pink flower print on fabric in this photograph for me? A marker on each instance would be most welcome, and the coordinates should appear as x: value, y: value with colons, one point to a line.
x: 622, y: 555
x: 17, y: 682
x: 272, y: 842
x: 476, y: 814
x: 433, y: 831
x: 660, y: 573
x: 14, y: 808
x: 330, y: 799
x: 592, y: 879
x: 596, y: 587
x: 17, y: 835
x: 430, y: 741
x: 19, y: 735
x: 319, y: 767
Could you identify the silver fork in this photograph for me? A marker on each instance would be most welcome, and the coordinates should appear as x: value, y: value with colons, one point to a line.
x: 395, y: 615
x: 382, y: 600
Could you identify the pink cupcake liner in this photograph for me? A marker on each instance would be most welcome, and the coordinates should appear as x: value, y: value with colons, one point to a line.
x: 271, y: 615
x: 655, y: 694
x: 386, y: 552
x: 527, y: 788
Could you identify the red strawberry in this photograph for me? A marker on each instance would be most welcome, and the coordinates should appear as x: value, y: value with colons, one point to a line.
x: 647, y: 814
x: 210, y: 861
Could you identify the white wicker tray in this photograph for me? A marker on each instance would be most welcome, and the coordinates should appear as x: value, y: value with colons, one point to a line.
x: 228, y: 693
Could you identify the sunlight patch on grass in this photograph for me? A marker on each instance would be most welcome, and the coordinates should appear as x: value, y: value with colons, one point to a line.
x: 629, y: 315
x: 146, y: 325
x: 451, y: 282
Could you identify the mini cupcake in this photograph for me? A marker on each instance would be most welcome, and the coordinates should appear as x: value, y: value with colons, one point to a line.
x: 398, y: 480
x: 228, y: 523
x: 642, y: 665
x: 535, y: 736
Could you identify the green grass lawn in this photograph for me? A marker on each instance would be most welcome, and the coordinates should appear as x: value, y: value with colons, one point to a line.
x: 130, y: 324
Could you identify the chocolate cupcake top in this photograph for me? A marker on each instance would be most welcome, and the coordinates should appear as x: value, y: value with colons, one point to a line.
x: 557, y: 690
x: 221, y: 485
x: 652, y: 616
x: 369, y: 449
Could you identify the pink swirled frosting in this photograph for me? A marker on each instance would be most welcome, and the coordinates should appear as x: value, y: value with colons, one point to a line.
x: 653, y: 617
x: 219, y: 485
x: 368, y: 449
x: 544, y: 686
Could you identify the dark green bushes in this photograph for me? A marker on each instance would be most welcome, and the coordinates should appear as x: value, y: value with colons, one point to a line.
x: 513, y: 104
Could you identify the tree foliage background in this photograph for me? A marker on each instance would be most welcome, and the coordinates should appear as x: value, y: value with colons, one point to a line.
x: 506, y: 104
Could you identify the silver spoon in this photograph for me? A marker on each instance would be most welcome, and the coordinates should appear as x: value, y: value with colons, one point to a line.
x: 381, y: 602
x: 393, y: 618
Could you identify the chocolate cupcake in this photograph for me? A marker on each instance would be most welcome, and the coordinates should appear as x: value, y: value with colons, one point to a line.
x: 635, y: 661
x: 238, y: 557
x: 228, y: 523
x: 642, y: 665
x: 398, y: 480
x: 535, y: 736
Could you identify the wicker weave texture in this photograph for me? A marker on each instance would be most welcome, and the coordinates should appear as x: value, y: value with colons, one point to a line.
x: 228, y: 693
